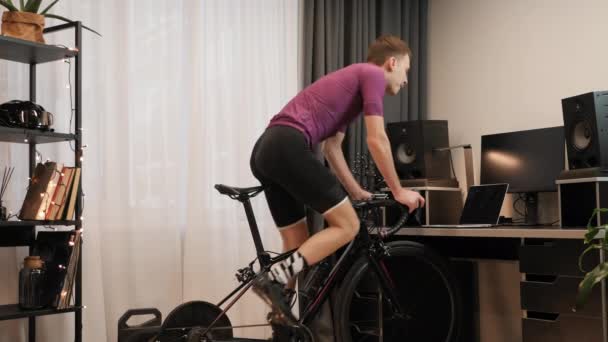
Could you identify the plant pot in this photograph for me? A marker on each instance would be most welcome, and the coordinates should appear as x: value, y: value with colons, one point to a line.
x: 23, y: 25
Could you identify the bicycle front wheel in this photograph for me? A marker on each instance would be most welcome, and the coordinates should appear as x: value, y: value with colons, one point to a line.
x: 426, y: 289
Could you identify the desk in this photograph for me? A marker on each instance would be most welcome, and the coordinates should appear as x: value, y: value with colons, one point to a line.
x: 538, y: 281
x: 548, y: 232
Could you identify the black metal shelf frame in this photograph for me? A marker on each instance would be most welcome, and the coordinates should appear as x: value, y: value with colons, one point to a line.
x: 23, y: 51
x: 13, y: 311
x: 22, y: 233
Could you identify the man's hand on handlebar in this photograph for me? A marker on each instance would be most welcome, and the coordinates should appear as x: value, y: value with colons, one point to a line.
x: 409, y: 198
x: 360, y: 194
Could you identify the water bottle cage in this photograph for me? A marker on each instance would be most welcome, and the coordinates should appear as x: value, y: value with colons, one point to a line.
x: 379, y: 250
x: 245, y: 274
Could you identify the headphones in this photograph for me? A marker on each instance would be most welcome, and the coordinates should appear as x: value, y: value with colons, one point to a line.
x: 25, y: 114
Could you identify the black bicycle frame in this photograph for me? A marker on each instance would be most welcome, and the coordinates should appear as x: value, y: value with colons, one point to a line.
x: 361, y: 246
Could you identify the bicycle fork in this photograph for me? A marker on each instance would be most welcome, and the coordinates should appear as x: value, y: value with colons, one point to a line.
x: 386, y: 284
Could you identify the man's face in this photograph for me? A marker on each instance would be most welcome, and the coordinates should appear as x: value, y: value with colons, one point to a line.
x: 397, y: 68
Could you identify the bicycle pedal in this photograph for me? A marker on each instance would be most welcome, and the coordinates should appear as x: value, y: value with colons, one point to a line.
x: 282, y: 321
x: 277, y: 318
x: 283, y: 333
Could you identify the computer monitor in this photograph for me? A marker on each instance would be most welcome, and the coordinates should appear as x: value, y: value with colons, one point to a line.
x: 529, y: 161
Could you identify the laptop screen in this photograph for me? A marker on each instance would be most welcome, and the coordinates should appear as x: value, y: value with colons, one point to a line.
x: 483, y: 204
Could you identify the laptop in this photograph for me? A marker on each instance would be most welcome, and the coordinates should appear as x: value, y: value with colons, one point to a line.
x: 481, y: 208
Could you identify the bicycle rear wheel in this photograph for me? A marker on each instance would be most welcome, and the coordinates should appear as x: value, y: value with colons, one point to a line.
x: 426, y: 289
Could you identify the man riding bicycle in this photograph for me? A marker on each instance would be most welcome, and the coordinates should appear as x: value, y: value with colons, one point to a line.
x: 284, y: 163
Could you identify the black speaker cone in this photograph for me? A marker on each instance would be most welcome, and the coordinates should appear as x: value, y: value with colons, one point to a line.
x: 581, y: 135
x: 406, y: 154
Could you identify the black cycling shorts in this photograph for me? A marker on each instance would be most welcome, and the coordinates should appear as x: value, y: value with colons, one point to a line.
x: 293, y: 177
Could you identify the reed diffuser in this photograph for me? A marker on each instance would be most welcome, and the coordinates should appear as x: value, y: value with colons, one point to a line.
x: 6, y: 178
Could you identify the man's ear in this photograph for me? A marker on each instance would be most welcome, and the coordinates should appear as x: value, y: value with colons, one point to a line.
x: 392, y: 63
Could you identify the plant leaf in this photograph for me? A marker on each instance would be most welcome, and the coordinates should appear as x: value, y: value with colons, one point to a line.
x: 36, y: 7
x: 587, y: 250
x: 8, y: 6
x: 33, y: 6
x: 22, y: 4
x: 49, y: 7
x: 599, y: 273
x: 596, y: 211
x: 591, y: 234
x: 48, y: 15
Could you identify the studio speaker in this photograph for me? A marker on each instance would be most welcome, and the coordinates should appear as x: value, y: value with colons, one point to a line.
x: 413, y: 144
x: 586, y: 130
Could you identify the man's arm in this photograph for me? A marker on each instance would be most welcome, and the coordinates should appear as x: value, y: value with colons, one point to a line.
x: 332, y: 149
x: 380, y: 149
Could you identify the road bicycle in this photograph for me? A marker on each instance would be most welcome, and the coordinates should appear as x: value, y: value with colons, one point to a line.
x: 376, y: 282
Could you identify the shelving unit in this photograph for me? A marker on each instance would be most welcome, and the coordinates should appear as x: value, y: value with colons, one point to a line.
x: 23, y: 233
x: 12, y: 311
x: 26, y: 136
x: 23, y: 51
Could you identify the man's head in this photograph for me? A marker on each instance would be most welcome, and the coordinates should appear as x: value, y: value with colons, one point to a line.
x: 393, y: 55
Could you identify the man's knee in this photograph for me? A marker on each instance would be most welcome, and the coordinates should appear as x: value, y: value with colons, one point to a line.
x: 345, y: 218
x: 294, y: 235
x: 352, y: 227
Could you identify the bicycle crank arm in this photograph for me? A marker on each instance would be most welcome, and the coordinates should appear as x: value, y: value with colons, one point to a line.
x: 222, y: 328
x: 236, y: 339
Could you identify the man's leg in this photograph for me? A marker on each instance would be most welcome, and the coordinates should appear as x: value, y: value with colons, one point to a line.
x: 343, y: 227
x: 293, y: 236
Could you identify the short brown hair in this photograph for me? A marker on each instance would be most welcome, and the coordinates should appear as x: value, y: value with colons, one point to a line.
x: 387, y: 46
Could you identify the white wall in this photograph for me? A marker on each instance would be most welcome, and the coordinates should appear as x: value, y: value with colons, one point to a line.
x: 504, y: 65
x: 499, y: 66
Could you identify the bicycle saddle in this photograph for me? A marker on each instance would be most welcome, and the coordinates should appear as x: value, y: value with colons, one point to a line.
x: 234, y: 191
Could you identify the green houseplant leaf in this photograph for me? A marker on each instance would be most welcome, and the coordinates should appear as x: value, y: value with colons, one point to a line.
x: 592, y: 233
x: 596, y: 211
x: 9, y: 6
x: 599, y: 273
x: 596, y: 239
x: 21, y: 5
x: 69, y: 21
x: 32, y: 6
x: 49, y: 7
x: 587, y: 250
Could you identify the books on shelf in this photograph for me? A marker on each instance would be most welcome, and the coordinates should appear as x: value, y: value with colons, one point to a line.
x: 52, y: 194
x: 74, y: 187
x: 65, y: 296
x: 34, y: 198
x: 60, y: 251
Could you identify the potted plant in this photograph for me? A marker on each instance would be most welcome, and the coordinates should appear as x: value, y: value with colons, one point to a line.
x: 597, y: 239
x: 27, y: 21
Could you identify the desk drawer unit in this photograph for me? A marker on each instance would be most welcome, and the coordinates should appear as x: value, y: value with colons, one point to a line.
x: 548, y: 292
x: 562, y: 328
x: 554, y: 257
x: 557, y: 296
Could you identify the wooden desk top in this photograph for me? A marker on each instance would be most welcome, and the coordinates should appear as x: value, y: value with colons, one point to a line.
x: 548, y: 232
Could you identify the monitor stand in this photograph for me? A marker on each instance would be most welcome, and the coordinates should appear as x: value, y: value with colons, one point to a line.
x: 531, y: 200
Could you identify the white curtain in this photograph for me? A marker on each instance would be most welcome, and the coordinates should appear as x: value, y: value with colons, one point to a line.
x: 175, y: 94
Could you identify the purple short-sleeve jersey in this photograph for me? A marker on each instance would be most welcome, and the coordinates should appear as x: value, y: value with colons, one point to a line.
x: 333, y: 101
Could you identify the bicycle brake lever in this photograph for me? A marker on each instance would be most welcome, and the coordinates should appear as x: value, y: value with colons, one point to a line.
x: 417, y: 216
x: 379, y: 196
